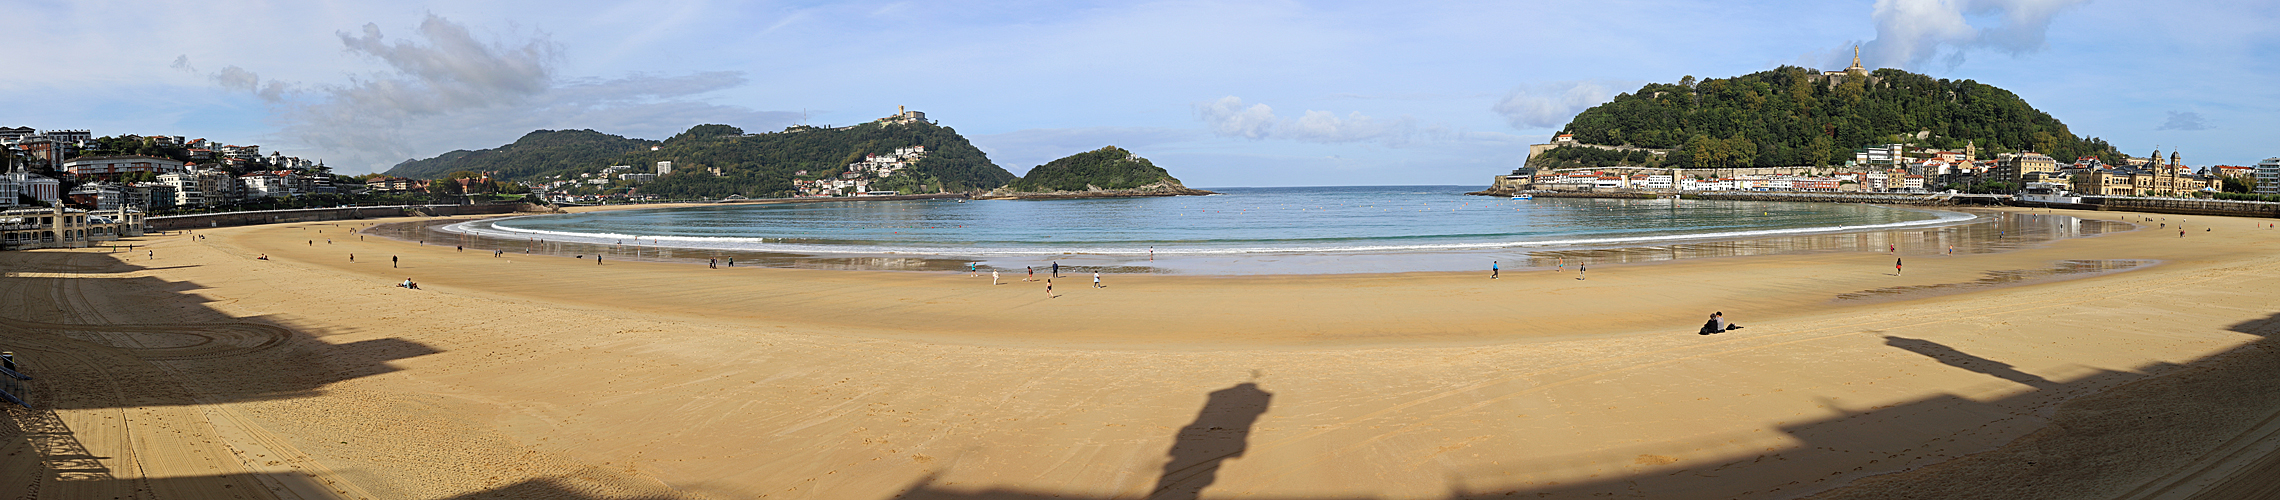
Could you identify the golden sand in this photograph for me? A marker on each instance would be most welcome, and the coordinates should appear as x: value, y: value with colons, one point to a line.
x: 204, y: 372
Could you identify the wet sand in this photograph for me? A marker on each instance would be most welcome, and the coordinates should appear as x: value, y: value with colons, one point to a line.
x: 207, y: 373
x: 1989, y: 231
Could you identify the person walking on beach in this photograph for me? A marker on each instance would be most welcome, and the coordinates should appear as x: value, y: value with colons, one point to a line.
x: 993, y: 277
x: 1048, y: 288
x: 1096, y: 280
x: 971, y: 271
x: 352, y: 258
x: 1056, y: 271
x: 712, y: 263
x: 1492, y: 269
x: 731, y: 262
x: 1032, y: 274
x: 392, y: 261
x: 1581, y: 268
x: 1895, y: 266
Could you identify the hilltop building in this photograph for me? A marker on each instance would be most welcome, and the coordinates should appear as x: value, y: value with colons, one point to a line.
x: 904, y: 116
x: 1853, y: 71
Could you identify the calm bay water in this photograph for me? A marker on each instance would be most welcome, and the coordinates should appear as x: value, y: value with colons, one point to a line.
x: 1314, y: 220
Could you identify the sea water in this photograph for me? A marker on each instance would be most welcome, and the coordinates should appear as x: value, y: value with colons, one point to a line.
x: 1369, y: 219
x: 1241, y: 231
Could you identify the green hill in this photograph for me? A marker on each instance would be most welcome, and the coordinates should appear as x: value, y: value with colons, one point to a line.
x: 1793, y: 116
x: 754, y: 165
x: 1105, y: 168
x: 765, y: 164
x: 536, y: 153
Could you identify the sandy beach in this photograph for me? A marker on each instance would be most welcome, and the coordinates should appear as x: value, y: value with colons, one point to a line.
x: 190, y: 368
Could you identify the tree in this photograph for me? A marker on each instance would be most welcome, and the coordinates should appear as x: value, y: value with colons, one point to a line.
x: 1818, y: 150
x: 2239, y: 184
x: 1740, y: 151
x: 443, y: 187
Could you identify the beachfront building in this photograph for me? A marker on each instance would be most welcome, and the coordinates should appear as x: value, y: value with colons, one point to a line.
x: 52, y: 227
x: 111, y: 167
x: 103, y: 196
x: 2021, y: 168
x: 265, y: 185
x: 42, y: 188
x: 2268, y: 176
x: 219, y: 187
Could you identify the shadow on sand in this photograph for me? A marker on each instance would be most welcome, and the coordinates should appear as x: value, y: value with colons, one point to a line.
x: 1842, y: 447
x: 69, y: 332
x: 1851, y: 445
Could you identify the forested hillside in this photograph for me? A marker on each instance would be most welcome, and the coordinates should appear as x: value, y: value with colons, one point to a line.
x: 721, y: 160
x: 536, y: 153
x: 1106, y: 168
x: 1794, y: 116
x: 765, y: 164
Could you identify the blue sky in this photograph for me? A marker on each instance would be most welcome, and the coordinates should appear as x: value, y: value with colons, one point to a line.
x: 1221, y: 93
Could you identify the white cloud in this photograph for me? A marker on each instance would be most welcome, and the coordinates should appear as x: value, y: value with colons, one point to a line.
x: 2184, y: 120
x: 446, y: 89
x: 1911, y: 33
x: 1229, y: 117
x: 1550, y: 105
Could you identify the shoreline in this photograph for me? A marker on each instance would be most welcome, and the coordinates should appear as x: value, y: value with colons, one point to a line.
x: 1976, y: 233
x: 525, y: 376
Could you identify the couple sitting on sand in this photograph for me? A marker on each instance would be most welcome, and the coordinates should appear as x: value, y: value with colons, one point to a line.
x: 1718, y: 324
x: 408, y: 284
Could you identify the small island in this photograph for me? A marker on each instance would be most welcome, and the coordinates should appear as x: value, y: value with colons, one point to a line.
x: 1109, y: 172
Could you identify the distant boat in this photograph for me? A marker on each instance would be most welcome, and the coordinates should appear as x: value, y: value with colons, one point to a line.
x: 1523, y: 197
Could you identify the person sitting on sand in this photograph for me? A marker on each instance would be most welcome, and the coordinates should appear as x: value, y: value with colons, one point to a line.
x: 264, y: 257
x: 408, y: 284
x: 1718, y: 324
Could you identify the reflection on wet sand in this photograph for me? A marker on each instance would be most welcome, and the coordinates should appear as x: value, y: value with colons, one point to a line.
x: 1990, y: 232
x: 2060, y: 270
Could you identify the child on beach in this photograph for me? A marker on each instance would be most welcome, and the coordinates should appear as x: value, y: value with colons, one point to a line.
x: 993, y: 277
x: 1096, y: 279
x: 1492, y: 269
x: 1032, y: 274
x: 1048, y: 288
x: 1581, y: 268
